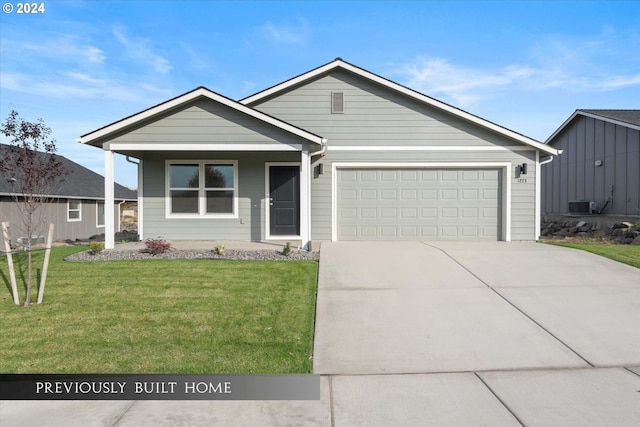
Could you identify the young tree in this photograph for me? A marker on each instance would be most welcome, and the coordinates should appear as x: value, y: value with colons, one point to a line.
x: 29, y: 163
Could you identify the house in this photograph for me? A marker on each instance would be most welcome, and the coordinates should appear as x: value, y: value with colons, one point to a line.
x: 77, y: 210
x: 599, y: 171
x: 336, y: 153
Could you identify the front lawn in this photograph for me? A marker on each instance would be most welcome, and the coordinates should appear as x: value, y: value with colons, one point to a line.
x: 628, y: 254
x: 161, y: 316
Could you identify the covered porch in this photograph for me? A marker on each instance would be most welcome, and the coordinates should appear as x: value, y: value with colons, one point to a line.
x: 210, y: 168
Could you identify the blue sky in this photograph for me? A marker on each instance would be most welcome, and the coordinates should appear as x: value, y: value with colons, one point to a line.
x: 525, y: 65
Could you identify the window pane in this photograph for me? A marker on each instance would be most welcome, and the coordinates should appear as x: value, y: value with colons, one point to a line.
x: 74, y: 205
x: 219, y: 201
x: 218, y: 176
x: 184, y: 201
x: 183, y: 176
x: 74, y: 214
x: 100, y: 213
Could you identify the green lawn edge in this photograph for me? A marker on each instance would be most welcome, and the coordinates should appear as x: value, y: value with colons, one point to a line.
x: 627, y: 254
x: 161, y: 316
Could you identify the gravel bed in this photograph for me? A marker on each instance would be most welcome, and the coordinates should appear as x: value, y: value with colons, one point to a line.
x: 231, y: 254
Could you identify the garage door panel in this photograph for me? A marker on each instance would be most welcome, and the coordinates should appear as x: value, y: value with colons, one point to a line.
x: 418, y: 203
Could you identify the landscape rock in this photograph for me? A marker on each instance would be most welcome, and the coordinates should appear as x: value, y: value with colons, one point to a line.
x: 617, y: 229
x: 231, y: 254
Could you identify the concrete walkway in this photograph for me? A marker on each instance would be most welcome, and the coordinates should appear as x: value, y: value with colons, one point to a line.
x: 438, y: 334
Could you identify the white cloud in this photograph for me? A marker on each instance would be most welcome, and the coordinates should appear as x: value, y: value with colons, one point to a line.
x: 70, y: 85
x: 139, y: 50
x: 559, y: 69
x: 286, y: 34
x: 462, y: 85
x: 60, y: 47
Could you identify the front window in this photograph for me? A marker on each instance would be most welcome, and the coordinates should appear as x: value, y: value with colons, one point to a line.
x: 100, y: 214
x: 74, y: 211
x: 204, y: 188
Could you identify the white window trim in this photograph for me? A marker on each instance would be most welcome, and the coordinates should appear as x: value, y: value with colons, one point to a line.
x: 79, y: 219
x: 201, y: 191
x: 98, y: 203
x: 504, y: 167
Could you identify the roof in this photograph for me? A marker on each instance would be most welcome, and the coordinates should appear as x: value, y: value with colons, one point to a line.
x: 627, y: 118
x: 98, y: 136
x: 340, y: 64
x: 81, y: 183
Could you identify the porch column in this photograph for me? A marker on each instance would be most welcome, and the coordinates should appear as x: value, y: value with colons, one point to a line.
x: 109, y: 202
x: 305, y: 198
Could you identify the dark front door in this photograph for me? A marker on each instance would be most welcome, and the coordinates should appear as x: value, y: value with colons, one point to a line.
x: 284, y: 200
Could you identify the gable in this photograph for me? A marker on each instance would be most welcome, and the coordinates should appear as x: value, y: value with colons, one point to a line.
x: 463, y: 120
x: 374, y: 115
x: 215, y: 104
x: 625, y: 118
x: 203, y: 122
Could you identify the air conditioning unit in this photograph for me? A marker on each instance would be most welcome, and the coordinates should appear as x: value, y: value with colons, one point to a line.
x: 582, y: 207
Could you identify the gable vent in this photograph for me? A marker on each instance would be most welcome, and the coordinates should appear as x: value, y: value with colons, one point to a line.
x: 337, y: 102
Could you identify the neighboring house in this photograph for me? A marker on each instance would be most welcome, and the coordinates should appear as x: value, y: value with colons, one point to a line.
x: 77, y: 210
x: 599, y: 170
x: 337, y: 153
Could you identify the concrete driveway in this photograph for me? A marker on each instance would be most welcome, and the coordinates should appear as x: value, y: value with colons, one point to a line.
x: 413, y: 307
x: 477, y: 334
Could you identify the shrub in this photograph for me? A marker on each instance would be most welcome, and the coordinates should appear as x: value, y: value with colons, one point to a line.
x: 287, y: 249
x: 220, y: 250
x: 96, y: 247
x: 156, y: 246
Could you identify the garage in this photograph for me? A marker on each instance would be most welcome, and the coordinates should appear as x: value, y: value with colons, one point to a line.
x: 418, y: 203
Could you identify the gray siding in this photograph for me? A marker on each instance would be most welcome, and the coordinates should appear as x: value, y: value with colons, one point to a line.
x: 373, y: 115
x: 206, y: 122
x: 56, y: 213
x: 574, y: 175
x: 250, y: 223
x: 376, y: 116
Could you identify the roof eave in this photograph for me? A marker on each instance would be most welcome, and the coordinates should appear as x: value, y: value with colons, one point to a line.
x: 593, y: 116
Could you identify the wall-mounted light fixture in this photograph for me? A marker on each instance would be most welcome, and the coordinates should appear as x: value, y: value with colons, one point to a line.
x: 521, y: 170
x: 320, y: 168
x: 598, y: 163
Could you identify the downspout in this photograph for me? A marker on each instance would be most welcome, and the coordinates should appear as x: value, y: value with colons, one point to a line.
x: 321, y: 151
x: 548, y: 160
x: 140, y: 198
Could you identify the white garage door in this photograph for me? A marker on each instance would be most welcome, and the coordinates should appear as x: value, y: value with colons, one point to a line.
x: 378, y: 204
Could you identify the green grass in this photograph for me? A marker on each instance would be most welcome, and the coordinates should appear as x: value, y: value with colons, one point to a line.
x: 161, y: 316
x: 628, y: 254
